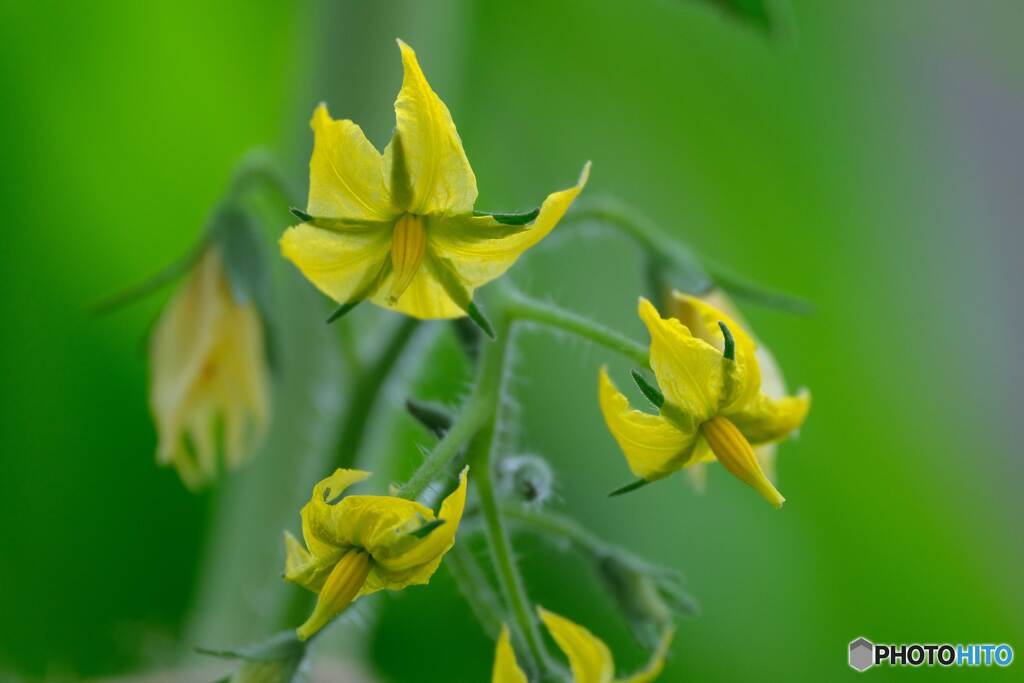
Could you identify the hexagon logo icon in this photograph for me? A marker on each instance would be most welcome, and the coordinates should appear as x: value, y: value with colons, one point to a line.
x: 862, y: 654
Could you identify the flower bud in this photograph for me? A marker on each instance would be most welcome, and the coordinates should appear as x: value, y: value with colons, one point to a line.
x: 648, y: 596
x: 528, y: 478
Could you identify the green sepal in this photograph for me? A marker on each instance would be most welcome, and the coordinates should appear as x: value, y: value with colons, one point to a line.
x: 649, y: 391
x: 246, y: 266
x: 425, y: 530
x: 468, y: 335
x: 432, y: 416
x: 343, y: 310
x: 450, y: 282
x: 364, y: 291
x: 639, y: 483
x: 300, y: 214
x: 401, y: 185
x: 511, y: 218
x: 729, y: 351
x: 282, y: 645
x: 478, y: 317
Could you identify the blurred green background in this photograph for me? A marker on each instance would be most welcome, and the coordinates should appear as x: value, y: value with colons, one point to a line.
x: 866, y: 155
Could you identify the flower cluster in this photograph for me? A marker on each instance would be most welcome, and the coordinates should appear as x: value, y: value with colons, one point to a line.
x: 400, y: 229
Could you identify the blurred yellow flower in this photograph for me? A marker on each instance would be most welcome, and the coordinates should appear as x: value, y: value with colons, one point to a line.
x: 357, y: 545
x: 773, y: 384
x: 209, y: 386
x: 589, y: 658
x: 399, y: 228
x: 713, y: 406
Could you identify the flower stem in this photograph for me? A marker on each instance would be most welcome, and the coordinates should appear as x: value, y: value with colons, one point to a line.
x: 479, y: 454
x: 470, y: 578
x: 521, y: 307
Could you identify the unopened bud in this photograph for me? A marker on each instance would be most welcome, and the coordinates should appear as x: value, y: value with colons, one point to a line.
x: 528, y: 477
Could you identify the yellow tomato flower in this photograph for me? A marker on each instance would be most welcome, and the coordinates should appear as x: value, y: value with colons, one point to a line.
x: 399, y: 228
x: 589, y: 658
x: 773, y: 384
x: 357, y: 545
x: 209, y: 386
x: 713, y: 406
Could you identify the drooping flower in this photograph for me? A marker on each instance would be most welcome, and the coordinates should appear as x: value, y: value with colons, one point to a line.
x: 773, y: 384
x: 399, y: 228
x: 357, y: 545
x: 209, y: 385
x: 711, y: 403
x: 589, y: 658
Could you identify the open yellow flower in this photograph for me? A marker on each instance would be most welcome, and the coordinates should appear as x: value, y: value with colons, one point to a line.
x: 209, y: 386
x: 589, y: 658
x: 399, y: 228
x: 773, y: 384
x: 357, y: 545
x: 711, y: 405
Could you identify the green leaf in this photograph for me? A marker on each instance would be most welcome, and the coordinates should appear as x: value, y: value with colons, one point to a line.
x: 512, y: 218
x: 639, y: 483
x: 651, y: 392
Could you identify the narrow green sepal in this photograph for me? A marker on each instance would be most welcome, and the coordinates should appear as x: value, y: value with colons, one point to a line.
x: 430, y: 415
x: 343, y: 310
x: 639, y: 483
x: 512, y: 218
x: 729, y: 352
x: 650, y: 391
x: 425, y: 530
x: 301, y: 215
x: 478, y: 317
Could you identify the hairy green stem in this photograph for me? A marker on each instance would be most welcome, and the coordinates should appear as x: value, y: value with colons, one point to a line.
x: 554, y: 524
x: 475, y: 587
x: 366, y: 391
x: 521, y: 307
x: 479, y: 454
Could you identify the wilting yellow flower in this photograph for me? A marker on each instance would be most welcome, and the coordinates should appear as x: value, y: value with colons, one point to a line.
x: 773, y: 385
x: 713, y: 405
x: 399, y: 228
x: 209, y: 387
x: 357, y: 545
x: 589, y: 658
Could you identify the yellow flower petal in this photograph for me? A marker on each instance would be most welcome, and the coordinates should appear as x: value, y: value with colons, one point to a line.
x: 346, y: 173
x: 765, y: 419
x: 478, y: 258
x: 303, y: 568
x: 341, y: 265
x: 657, y: 662
x: 653, y: 446
x: 506, y: 669
x: 319, y: 514
x: 702, y: 318
x: 440, y: 176
x: 589, y: 658
x: 689, y: 370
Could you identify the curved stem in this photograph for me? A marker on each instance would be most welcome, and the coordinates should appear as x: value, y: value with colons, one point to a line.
x: 475, y: 413
x: 555, y: 524
x: 705, y: 272
x: 521, y: 307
